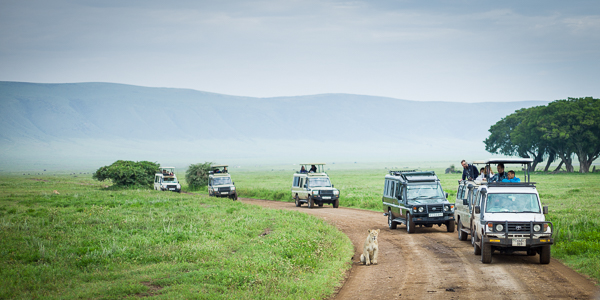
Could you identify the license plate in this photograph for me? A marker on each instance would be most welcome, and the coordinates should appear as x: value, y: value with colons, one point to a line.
x: 327, y: 197
x: 171, y: 189
x: 222, y: 193
x: 432, y: 215
x: 519, y: 242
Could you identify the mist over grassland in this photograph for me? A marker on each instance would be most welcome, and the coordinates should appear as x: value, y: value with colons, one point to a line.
x: 86, y: 125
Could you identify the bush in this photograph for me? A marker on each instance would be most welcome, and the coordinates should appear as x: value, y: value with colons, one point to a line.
x: 197, y: 175
x: 128, y: 173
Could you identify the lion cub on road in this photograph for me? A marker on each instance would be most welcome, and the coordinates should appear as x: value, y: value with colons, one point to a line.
x: 370, y: 248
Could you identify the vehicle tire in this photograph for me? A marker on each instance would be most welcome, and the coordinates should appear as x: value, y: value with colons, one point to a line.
x: 297, y: 201
x: 336, y: 204
x: 476, y: 248
x: 410, y: 224
x: 486, y: 253
x: 311, y: 202
x: 462, y: 236
x: 545, y: 255
x: 450, y: 226
x: 391, y: 223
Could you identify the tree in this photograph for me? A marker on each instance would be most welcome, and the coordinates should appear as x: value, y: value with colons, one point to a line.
x: 128, y: 173
x: 513, y: 135
x: 572, y: 126
x: 197, y: 174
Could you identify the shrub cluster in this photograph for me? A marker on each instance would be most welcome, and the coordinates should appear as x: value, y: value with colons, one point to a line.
x: 197, y: 175
x: 128, y: 173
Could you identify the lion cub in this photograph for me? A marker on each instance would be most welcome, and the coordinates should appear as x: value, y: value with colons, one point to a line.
x: 370, y: 248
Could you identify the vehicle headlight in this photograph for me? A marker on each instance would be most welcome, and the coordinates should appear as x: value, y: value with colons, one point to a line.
x: 336, y: 192
x: 537, y: 227
x: 233, y: 188
x: 216, y: 189
x: 421, y: 209
x: 315, y: 192
x: 446, y: 208
x: 499, y: 227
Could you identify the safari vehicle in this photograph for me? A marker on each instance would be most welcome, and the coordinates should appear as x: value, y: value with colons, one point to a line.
x: 463, y: 209
x: 416, y: 198
x: 311, y: 185
x: 220, y: 184
x: 166, y: 180
x: 509, y: 217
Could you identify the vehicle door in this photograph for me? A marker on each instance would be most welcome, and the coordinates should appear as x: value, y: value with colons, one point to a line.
x: 460, y: 207
x: 156, y: 182
x: 476, y: 223
x: 303, y: 194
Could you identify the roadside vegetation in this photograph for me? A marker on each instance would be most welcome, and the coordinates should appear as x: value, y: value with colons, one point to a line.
x: 573, y: 200
x: 87, y: 241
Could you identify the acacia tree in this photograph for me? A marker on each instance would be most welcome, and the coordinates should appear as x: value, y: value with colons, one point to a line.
x: 572, y: 126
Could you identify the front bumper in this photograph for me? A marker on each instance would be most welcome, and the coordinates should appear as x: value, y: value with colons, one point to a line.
x: 508, y: 242
x: 325, y: 199
x: 420, y: 219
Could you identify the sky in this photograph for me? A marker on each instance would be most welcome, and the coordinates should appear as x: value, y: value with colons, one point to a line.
x: 459, y: 51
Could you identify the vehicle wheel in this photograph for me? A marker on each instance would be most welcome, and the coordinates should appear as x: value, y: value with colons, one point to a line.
x: 450, y: 226
x: 486, y: 253
x: 336, y: 204
x: 476, y: 248
x: 311, y: 202
x: 410, y: 224
x: 297, y: 201
x: 462, y: 236
x: 545, y: 255
x: 391, y: 223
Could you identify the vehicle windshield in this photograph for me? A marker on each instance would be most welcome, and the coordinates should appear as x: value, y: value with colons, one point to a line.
x: 319, y: 182
x: 170, y: 180
x: 425, y: 193
x: 221, y: 180
x: 514, y: 203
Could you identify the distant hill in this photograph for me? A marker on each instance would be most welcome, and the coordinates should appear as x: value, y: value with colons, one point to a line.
x: 107, y: 121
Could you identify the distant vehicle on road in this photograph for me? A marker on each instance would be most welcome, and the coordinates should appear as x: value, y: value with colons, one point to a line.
x: 220, y: 184
x: 166, y: 180
x: 311, y: 185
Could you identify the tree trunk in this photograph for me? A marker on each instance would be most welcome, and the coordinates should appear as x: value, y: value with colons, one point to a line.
x: 559, y: 166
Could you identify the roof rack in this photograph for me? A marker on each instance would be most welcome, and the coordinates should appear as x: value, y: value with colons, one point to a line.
x: 399, y: 172
x: 415, y: 176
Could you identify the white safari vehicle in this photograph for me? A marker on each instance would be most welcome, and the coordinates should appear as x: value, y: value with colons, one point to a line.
x: 220, y: 184
x: 165, y: 180
x: 463, y: 211
x: 312, y: 185
x: 509, y: 217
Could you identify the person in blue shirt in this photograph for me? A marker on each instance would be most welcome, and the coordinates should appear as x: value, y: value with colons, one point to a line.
x: 510, y: 177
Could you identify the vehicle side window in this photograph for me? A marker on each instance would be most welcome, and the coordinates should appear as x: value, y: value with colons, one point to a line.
x: 392, y: 189
x: 398, y: 191
x: 296, y: 181
x: 385, y: 188
x: 210, y: 181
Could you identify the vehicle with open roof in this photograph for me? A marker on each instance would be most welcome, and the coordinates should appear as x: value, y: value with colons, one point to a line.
x: 311, y: 185
x: 220, y: 183
x: 463, y: 210
x: 166, y: 180
x: 416, y: 198
x: 509, y: 217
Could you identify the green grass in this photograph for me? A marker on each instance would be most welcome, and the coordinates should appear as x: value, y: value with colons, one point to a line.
x: 573, y: 201
x: 90, y: 242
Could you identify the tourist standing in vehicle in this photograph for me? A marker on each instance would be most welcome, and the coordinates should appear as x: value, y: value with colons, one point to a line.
x: 500, y: 175
x: 469, y: 171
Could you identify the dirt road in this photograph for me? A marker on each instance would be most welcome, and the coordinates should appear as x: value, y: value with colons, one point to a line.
x: 434, y: 264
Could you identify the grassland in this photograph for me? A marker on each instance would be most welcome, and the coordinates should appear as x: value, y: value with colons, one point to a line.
x: 573, y: 200
x: 96, y: 243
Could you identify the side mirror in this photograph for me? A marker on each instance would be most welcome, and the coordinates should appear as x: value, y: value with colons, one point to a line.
x: 446, y: 195
x: 465, y: 201
x: 332, y: 186
x: 477, y: 209
x: 545, y: 210
x: 305, y: 185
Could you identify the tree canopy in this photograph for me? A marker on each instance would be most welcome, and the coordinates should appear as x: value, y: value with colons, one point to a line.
x: 561, y: 129
x: 128, y: 173
x: 197, y: 174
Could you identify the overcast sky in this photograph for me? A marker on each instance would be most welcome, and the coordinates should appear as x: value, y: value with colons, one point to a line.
x: 464, y: 51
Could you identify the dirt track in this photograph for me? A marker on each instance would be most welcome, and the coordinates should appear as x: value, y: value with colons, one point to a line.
x: 434, y: 264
